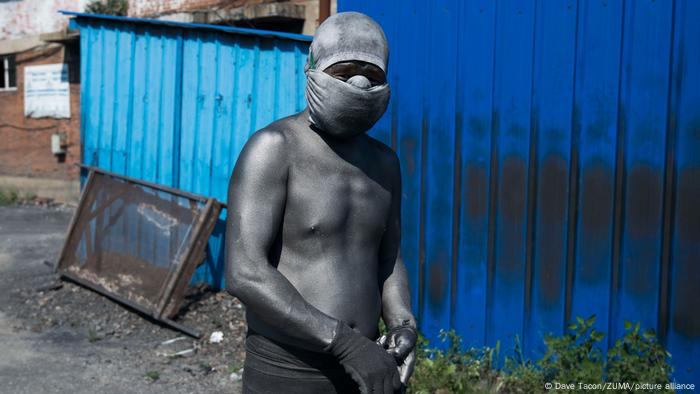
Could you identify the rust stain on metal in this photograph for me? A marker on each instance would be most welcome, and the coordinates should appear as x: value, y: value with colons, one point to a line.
x: 511, y: 206
x: 644, y: 204
x: 596, y: 210
x: 437, y: 286
x: 475, y: 192
x: 551, y: 240
x: 408, y: 145
x: 684, y: 310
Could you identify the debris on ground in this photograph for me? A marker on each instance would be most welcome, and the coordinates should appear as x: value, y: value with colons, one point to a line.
x: 236, y: 376
x: 216, y: 359
x: 216, y: 337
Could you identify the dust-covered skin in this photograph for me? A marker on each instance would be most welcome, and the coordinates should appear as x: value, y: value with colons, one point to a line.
x: 313, y: 231
x: 313, y: 227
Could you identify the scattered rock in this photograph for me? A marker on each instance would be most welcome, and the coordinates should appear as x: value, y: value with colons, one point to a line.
x: 236, y: 376
x: 216, y: 337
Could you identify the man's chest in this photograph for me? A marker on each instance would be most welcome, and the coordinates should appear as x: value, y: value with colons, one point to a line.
x: 333, y: 197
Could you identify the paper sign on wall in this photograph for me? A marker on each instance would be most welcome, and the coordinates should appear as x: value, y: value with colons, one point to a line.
x: 46, y: 91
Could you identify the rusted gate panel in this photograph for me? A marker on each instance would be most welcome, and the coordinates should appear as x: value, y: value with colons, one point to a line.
x: 136, y: 242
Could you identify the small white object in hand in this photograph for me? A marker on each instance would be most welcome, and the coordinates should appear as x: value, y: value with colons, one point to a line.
x: 216, y: 337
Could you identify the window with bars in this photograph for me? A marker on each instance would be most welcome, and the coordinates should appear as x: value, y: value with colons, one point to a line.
x: 8, y: 73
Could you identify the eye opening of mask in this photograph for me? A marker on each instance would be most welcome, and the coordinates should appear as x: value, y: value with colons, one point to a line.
x: 347, y: 69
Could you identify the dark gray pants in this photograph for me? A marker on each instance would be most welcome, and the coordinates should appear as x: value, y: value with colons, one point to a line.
x: 271, y: 368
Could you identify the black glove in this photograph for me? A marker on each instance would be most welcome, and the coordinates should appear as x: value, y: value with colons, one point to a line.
x: 374, y: 370
x: 400, y: 342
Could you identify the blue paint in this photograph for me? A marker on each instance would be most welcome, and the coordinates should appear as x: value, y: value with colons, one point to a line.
x: 439, y: 177
x: 595, y: 143
x: 511, y: 134
x: 405, y: 61
x: 644, y: 97
x: 684, y: 144
x: 552, y: 110
x: 474, y: 111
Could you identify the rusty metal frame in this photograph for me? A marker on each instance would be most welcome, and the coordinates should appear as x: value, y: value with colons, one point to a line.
x: 175, y: 283
x: 152, y: 185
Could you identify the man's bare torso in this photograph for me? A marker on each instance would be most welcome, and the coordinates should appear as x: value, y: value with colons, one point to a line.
x: 336, y: 209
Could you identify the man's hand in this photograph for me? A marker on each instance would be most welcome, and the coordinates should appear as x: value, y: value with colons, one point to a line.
x: 400, y: 342
x: 370, y: 365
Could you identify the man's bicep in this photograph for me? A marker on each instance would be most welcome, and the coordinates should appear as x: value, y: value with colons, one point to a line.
x: 256, y: 196
x: 391, y: 240
x: 396, y: 297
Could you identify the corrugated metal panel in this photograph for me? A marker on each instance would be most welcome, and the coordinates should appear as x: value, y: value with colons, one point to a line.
x: 192, y: 26
x: 551, y: 165
x: 175, y: 104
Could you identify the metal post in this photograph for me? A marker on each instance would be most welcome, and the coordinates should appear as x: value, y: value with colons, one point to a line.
x: 324, y: 10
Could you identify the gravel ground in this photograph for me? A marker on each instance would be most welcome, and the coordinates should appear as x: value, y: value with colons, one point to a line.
x: 58, y: 337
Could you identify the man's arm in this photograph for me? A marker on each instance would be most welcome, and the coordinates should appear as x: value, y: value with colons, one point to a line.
x: 396, y: 295
x: 256, y: 200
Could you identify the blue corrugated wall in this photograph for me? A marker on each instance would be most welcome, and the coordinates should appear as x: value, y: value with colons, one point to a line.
x: 174, y: 103
x: 551, y: 165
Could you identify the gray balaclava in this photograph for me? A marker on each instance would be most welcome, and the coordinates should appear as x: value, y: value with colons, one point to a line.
x: 345, y: 109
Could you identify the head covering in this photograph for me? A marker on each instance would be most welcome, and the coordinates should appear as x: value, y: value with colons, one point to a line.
x: 346, y: 108
x: 348, y: 36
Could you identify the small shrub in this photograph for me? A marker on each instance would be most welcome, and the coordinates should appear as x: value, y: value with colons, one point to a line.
x: 235, y: 367
x: 108, y: 7
x: 93, y: 336
x: 9, y: 197
x: 451, y: 370
x: 575, y: 356
x: 638, y: 357
x: 521, y: 375
x: 13, y: 196
x: 152, y: 375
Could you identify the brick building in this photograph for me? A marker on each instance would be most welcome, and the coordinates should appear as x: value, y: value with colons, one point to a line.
x: 32, y: 33
x: 38, y: 152
x: 293, y: 16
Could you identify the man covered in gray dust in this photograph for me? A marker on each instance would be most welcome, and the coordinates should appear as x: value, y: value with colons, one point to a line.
x: 313, y: 231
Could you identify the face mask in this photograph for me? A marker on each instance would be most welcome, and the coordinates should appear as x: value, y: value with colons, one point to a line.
x: 344, y: 109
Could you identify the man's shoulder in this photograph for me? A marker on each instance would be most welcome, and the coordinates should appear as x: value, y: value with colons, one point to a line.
x: 277, y: 133
x: 272, y: 136
x: 267, y: 137
x: 383, y: 153
x: 264, y: 153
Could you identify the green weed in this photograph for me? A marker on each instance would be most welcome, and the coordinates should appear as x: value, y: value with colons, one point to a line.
x: 152, y: 375
x: 573, y: 357
x: 13, y: 196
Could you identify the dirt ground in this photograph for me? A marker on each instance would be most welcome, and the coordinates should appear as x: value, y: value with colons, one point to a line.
x: 58, y: 337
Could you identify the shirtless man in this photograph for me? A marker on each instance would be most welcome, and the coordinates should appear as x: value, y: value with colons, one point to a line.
x: 313, y: 231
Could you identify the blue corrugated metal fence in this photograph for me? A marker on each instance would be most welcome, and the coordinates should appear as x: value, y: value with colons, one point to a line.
x: 551, y: 165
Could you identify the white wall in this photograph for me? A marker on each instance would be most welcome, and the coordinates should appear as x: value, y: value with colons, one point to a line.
x: 21, y: 18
